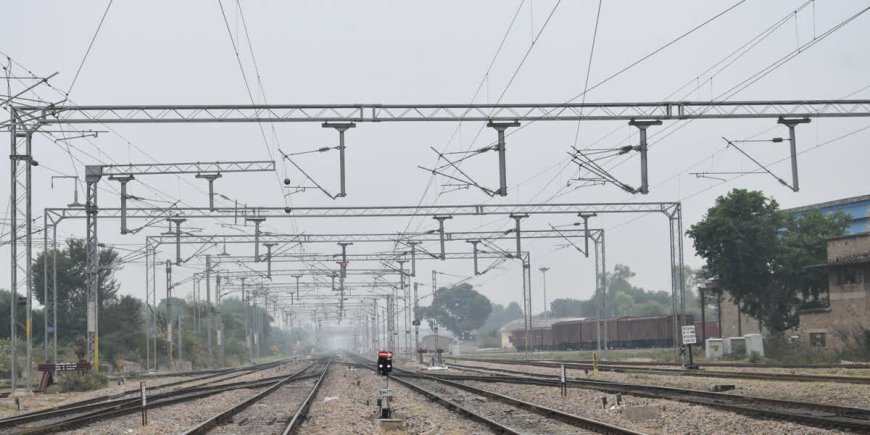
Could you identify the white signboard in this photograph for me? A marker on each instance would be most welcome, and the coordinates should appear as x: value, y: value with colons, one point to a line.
x: 689, y: 335
x: 385, y: 392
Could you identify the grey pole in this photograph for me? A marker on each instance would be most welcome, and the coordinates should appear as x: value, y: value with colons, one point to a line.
x: 123, y: 179
x: 517, y: 218
x: 441, y: 220
x: 604, y: 293
x: 474, y: 253
x: 500, y: 127
x: 642, y: 125
x: 246, y: 300
x: 413, y: 244
x: 177, y: 222
x: 585, y: 217
x: 169, y: 313
x: 269, y: 247
x: 149, y: 319
x: 45, y: 286
x: 28, y: 171
x: 341, y: 128
x: 210, y: 178
x: 220, y: 331
x: 257, y: 221
x: 54, y: 289
x: 208, y: 306
x: 544, y: 270
x: 417, y: 326
x: 297, y: 287
x: 791, y: 123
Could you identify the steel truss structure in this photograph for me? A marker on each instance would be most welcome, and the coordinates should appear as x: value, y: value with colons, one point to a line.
x: 516, y: 211
x: 347, y: 113
x: 27, y: 119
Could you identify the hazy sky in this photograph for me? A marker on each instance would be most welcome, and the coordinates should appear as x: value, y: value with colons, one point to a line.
x: 163, y: 52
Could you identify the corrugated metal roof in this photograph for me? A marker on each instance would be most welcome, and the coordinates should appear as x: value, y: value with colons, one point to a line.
x: 834, y: 203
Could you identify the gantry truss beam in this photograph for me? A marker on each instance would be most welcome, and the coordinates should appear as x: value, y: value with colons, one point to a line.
x: 187, y: 168
x: 57, y: 214
x: 362, y: 238
x: 346, y: 113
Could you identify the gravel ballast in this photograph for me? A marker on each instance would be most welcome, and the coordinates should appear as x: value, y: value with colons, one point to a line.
x: 346, y: 404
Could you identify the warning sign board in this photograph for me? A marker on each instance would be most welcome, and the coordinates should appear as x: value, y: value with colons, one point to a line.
x: 689, y: 335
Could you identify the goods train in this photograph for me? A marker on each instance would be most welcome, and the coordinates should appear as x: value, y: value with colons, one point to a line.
x: 622, y: 332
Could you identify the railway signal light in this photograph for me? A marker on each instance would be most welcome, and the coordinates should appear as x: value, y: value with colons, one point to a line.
x: 385, y: 362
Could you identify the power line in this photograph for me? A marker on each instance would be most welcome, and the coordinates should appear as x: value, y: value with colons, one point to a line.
x: 90, y: 45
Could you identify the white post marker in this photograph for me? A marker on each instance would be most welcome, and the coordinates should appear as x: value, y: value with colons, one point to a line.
x: 564, y: 380
x: 689, y: 339
x: 144, y: 403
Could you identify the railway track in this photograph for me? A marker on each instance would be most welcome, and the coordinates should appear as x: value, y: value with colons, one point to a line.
x: 618, y: 368
x: 269, y: 411
x: 89, y: 411
x: 814, y: 414
x: 502, y: 413
x: 677, y: 365
x: 132, y: 395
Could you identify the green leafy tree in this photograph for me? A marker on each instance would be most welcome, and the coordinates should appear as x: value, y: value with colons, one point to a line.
x: 72, y: 285
x: 760, y: 254
x: 458, y: 309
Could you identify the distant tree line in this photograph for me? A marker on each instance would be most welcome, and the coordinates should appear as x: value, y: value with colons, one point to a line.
x: 123, y: 318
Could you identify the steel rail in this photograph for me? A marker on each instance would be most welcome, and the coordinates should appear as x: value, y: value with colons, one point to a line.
x: 296, y: 421
x: 617, y: 368
x: 119, y: 400
x: 222, y: 416
x: 554, y: 414
x: 134, y: 405
x: 816, y: 414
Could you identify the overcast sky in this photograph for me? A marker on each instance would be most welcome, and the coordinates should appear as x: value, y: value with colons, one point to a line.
x: 165, y: 52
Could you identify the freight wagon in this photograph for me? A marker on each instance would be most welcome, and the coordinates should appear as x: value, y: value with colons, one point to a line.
x: 622, y: 332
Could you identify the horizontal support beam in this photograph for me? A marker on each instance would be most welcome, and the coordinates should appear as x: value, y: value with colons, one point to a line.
x: 192, y: 239
x: 320, y: 113
x: 56, y: 214
x: 185, y: 168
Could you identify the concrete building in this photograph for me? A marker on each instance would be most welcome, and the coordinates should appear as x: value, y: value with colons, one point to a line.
x: 857, y: 207
x: 845, y: 312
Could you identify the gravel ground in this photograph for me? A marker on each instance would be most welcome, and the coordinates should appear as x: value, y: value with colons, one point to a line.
x: 270, y: 414
x: 831, y: 393
x: 169, y: 419
x: 516, y: 418
x: 345, y: 404
x: 43, y: 401
x: 674, y: 417
x: 182, y: 416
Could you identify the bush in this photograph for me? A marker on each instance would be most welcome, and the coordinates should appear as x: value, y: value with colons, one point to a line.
x: 86, y: 381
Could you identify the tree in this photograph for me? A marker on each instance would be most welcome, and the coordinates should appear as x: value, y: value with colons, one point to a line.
x: 761, y: 255
x: 499, y: 316
x: 72, y: 285
x: 458, y: 309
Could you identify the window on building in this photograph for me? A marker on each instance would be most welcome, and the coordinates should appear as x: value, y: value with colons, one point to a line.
x: 847, y: 275
x: 817, y: 339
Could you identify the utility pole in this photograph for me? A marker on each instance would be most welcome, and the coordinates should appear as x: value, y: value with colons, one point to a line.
x: 209, y: 307
x: 417, y: 326
x: 246, y: 301
x: 220, y: 322
x: 544, y: 270
x: 169, y: 313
